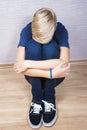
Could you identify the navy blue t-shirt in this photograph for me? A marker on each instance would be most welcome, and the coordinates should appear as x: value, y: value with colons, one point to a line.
x: 60, y: 35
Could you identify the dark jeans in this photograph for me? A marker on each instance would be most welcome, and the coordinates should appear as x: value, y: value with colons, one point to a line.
x: 43, y: 88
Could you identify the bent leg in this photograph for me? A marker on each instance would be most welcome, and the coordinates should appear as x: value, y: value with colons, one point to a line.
x: 49, y: 88
x: 36, y: 90
x: 33, y: 52
x: 51, y: 51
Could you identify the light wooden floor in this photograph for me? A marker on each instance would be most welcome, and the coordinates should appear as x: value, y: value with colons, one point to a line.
x: 71, y: 95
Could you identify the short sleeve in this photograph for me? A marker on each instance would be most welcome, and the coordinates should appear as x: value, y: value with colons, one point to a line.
x: 61, y: 35
x: 25, y: 35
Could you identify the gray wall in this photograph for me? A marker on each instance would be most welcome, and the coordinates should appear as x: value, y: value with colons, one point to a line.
x: 15, y: 14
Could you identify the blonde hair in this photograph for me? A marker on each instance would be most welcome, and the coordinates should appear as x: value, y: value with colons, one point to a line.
x: 43, y: 25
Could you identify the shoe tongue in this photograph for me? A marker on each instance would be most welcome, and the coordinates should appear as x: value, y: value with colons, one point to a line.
x: 48, y: 107
x: 36, y: 108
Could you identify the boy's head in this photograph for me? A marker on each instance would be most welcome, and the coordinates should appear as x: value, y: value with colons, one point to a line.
x: 44, y: 25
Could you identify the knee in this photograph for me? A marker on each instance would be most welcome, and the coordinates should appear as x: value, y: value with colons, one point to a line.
x: 50, y: 51
x: 33, y: 52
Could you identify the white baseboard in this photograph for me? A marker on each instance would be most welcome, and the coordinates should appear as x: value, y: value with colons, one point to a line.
x: 83, y: 61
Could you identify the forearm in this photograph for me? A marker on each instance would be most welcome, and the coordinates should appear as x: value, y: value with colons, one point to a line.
x: 37, y: 73
x: 43, y: 64
x: 57, y: 72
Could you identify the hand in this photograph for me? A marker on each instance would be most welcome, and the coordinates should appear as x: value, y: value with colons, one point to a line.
x: 61, y: 70
x: 20, y: 66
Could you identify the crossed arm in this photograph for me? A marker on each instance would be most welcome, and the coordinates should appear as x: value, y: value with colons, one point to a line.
x: 61, y: 66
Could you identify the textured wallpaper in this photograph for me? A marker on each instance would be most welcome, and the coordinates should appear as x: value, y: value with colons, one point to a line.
x: 15, y: 14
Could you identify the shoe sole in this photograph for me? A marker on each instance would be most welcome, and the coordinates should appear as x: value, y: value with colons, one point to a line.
x: 52, y: 122
x: 34, y: 126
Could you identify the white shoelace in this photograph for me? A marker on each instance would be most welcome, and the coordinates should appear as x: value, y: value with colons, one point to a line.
x: 36, y: 108
x: 48, y: 106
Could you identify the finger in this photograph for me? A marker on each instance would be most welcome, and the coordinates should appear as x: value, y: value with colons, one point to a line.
x: 16, y: 70
x: 62, y: 64
x: 15, y: 64
x: 68, y: 72
x: 68, y: 67
x: 15, y: 67
x: 21, y: 70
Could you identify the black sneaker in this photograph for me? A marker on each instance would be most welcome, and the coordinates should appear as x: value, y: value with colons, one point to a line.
x: 35, y: 116
x: 49, y: 114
